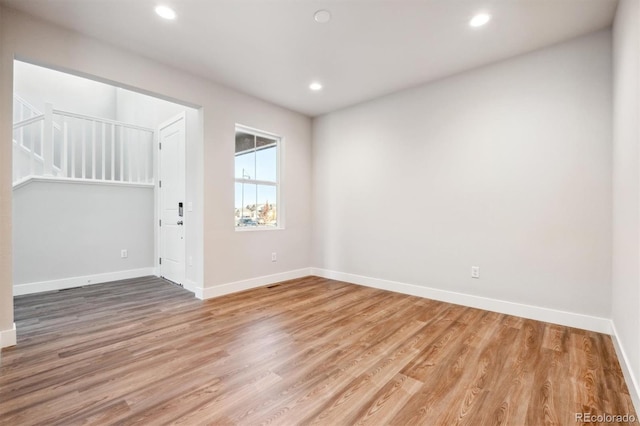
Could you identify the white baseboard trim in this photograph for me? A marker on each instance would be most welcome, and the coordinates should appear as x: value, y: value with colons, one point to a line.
x: 190, y: 285
x: 234, y: 287
x: 571, y: 319
x: 60, y: 284
x: 627, y: 370
x: 8, y: 337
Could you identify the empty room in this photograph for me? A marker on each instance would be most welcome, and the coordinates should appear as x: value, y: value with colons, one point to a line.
x: 319, y: 212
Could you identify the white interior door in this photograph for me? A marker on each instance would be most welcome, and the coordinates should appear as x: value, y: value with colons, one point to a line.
x: 171, y: 190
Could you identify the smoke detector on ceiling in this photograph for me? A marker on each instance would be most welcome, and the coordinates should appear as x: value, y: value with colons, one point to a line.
x: 322, y: 16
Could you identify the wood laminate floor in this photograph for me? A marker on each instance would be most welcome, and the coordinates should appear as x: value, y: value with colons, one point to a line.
x: 308, y: 351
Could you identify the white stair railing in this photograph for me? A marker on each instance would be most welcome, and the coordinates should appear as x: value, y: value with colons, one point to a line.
x: 23, y: 110
x: 27, y: 147
x: 69, y: 145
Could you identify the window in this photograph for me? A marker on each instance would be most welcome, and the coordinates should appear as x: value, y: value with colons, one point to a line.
x: 256, y: 179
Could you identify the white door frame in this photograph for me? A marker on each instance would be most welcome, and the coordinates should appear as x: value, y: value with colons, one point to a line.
x: 158, y: 199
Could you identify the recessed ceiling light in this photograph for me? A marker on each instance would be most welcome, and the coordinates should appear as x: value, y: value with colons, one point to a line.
x: 165, y: 12
x: 479, y: 20
x: 322, y: 16
x: 315, y: 86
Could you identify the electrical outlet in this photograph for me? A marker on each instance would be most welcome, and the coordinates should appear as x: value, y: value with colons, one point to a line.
x: 124, y: 254
x: 274, y: 257
x: 475, y: 272
x: 190, y: 260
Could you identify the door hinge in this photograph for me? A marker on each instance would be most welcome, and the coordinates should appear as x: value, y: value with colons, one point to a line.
x: 159, y: 145
x: 160, y: 184
x: 160, y: 222
x: 160, y: 260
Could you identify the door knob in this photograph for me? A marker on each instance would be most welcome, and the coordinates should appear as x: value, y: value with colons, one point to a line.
x: 180, y: 222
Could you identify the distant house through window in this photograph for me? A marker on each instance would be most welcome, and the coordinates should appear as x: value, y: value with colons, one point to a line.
x: 256, y: 179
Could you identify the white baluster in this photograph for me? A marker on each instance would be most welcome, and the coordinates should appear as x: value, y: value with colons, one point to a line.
x: 129, y: 155
x: 145, y: 153
x: 135, y: 147
x: 32, y: 153
x: 121, y: 154
x: 93, y: 149
x: 65, y: 148
x: 104, y: 142
x: 73, y: 155
x: 113, y: 152
x: 84, y: 149
x: 46, y: 147
x: 21, y: 137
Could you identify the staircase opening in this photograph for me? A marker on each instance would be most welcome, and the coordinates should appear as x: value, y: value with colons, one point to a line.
x: 63, y: 144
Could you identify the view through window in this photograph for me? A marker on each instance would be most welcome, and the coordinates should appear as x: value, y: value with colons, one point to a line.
x: 256, y: 179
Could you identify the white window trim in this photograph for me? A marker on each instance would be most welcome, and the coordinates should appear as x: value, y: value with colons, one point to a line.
x: 277, y: 184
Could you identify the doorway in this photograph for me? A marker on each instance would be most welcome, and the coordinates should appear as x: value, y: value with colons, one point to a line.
x: 171, y: 199
x: 87, y: 206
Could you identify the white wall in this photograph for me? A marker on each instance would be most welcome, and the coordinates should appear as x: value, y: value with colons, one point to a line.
x: 507, y: 167
x: 227, y: 256
x: 39, y: 85
x: 143, y: 110
x: 626, y: 184
x: 64, y: 230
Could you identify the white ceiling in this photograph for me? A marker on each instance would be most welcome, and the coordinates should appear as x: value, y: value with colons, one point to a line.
x: 273, y: 49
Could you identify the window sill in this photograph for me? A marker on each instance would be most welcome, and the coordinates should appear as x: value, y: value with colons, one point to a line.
x: 252, y: 229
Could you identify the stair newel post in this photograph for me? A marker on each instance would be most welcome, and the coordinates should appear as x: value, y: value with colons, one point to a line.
x: 47, y: 140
